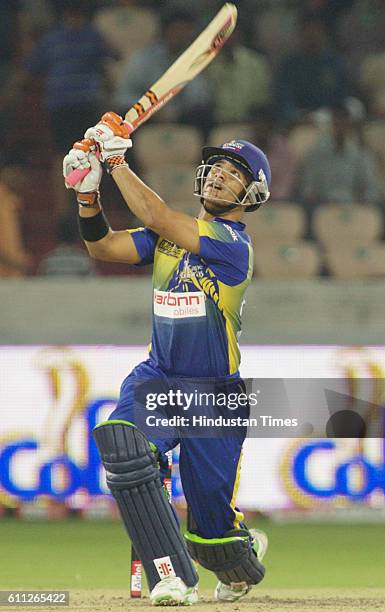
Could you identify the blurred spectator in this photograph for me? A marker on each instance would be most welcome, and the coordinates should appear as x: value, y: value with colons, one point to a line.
x: 67, y: 258
x: 14, y: 260
x: 71, y: 56
x: 339, y: 168
x: 274, y: 30
x: 239, y: 80
x: 361, y: 31
x: 35, y: 18
x: 372, y: 81
x: 314, y: 76
x: 330, y: 11
x: 8, y: 36
x: 8, y: 53
x: 127, y: 26
x: 145, y: 66
x: 271, y: 138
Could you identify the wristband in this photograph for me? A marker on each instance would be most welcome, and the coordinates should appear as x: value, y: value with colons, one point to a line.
x: 87, y: 200
x: 115, y: 161
x: 94, y: 228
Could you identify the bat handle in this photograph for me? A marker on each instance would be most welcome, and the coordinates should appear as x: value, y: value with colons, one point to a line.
x: 78, y: 175
x: 75, y: 176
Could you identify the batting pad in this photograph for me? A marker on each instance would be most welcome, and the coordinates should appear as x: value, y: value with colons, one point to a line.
x: 133, y: 478
x: 232, y: 558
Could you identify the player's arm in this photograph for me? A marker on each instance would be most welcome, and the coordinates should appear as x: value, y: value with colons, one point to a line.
x: 101, y: 241
x: 154, y: 213
x: 117, y: 246
x: 112, y: 137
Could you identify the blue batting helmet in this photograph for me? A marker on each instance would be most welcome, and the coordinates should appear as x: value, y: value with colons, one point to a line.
x: 251, y: 160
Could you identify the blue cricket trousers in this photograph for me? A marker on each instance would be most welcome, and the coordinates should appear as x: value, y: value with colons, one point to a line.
x: 209, y: 466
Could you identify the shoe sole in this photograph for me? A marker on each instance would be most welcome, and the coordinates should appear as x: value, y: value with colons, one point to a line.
x: 169, y: 600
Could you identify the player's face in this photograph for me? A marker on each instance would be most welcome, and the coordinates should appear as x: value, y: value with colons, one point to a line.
x: 224, y: 183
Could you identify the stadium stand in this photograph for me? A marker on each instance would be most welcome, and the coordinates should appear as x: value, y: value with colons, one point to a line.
x: 166, y: 154
x: 287, y: 259
x: 175, y: 183
x: 277, y: 222
x: 165, y: 144
x: 349, y: 261
x: 227, y: 131
x: 350, y: 225
x: 302, y: 139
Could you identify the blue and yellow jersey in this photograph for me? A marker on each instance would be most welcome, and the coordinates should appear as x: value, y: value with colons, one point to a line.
x: 197, y: 299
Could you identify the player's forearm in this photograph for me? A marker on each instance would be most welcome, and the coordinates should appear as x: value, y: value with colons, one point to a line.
x: 98, y: 249
x: 147, y: 205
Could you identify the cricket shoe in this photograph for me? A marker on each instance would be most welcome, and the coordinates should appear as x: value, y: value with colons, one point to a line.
x: 172, y: 591
x: 236, y: 590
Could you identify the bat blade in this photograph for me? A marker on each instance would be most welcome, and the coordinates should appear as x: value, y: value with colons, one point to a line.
x: 188, y: 65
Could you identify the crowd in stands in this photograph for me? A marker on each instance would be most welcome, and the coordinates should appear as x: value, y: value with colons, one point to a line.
x: 304, y: 80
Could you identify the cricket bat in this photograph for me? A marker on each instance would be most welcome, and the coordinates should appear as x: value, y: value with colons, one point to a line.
x: 136, y: 573
x: 192, y: 61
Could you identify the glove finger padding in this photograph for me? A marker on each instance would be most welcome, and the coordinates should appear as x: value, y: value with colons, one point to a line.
x: 117, y: 124
x: 112, y: 136
x: 79, y: 159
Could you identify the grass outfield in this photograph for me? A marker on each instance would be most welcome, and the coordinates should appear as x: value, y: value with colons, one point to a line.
x: 323, y: 562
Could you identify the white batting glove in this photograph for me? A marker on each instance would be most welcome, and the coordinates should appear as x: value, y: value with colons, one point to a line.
x: 111, y: 135
x: 78, y: 159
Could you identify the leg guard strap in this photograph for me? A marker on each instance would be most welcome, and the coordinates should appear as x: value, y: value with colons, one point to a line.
x: 133, y: 478
x: 232, y: 558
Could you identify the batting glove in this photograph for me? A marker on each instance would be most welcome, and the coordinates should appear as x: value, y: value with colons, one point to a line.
x: 112, y: 135
x: 83, y: 156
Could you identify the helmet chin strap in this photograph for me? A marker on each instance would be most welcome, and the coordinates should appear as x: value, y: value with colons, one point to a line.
x: 218, y: 211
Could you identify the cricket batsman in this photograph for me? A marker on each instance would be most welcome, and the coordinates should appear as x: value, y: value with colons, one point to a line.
x: 209, y: 261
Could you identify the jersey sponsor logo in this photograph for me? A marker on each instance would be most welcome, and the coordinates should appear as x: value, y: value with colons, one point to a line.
x: 170, y: 248
x: 164, y: 567
x: 232, y: 233
x: 179, y: 305
x: 190, y: 272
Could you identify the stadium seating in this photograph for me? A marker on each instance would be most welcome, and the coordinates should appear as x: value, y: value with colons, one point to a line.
x: 299, y: 259
x: 275, y: 31
x: 302, y: 138
x: 276, y: 222
x: 166, y: 144
x: 127, y: 28
x: 372, y: 80
x: 229, y: 131
x: 352, y: 224
x: 346, y: 261
x: 374, y: 136
x: 174, y: 184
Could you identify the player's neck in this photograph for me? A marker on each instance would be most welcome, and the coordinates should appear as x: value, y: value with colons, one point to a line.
x: 232, y: 215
